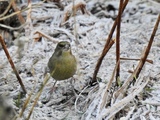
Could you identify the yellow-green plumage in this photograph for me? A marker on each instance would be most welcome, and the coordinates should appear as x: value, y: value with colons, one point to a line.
x: 62, y: 64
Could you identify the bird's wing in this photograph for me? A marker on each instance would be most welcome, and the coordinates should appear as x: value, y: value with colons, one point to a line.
x: 52, y: 64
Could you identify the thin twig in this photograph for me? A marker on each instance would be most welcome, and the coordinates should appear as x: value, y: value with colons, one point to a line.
x: 105, y: 50
x: 46, y: 36
x: 143, y: 59
x: 147, y: 60
x: 7, y: 9
x: 120, y: 104
x: 39, y: 93
x: 25, y: 9
x: 138, y: 69
x: 100, y: 60
x: 12, y: 28
x: 25, y: 104
x: 75, y: 25
x: 12, y: 64
x: 28, y: 98
x: 118, y: 41
x: 105, y: 96
x: 21, y: 19
x: 77, y: 98
x: 15, y: 13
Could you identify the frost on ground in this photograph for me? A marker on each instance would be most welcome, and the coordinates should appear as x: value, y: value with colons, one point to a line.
x: 87, y: 34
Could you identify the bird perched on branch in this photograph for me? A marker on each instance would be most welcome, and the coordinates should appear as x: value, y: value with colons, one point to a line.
x: 62, y: 64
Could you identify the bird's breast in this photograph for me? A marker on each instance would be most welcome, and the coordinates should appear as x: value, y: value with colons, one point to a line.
x: 65, y: 68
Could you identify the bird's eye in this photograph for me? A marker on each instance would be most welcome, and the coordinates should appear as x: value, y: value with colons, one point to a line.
x: 61, y: 45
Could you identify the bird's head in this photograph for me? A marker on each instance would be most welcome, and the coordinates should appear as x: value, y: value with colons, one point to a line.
x: 63, y: 48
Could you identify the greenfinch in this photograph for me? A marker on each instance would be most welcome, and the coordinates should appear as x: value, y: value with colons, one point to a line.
x: 62, y: 64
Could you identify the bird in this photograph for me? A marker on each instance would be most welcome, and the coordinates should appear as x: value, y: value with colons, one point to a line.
x: 62, y: 64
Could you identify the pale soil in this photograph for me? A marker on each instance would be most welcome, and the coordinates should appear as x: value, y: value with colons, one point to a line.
x: 138, y: 21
